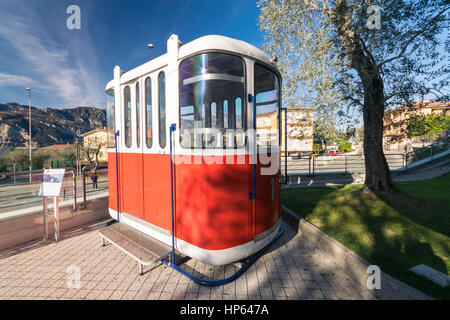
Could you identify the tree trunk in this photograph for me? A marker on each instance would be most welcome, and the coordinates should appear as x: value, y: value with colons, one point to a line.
x: 378, y: 175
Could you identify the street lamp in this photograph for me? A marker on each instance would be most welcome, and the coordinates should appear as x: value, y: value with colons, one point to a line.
x: 150, y: 46
x: 29, y: 125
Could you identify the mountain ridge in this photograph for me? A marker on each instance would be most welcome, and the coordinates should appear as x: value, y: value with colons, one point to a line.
x: 48, y: 125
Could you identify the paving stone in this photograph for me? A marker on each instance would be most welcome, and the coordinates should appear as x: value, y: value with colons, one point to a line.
x: 291, y: 270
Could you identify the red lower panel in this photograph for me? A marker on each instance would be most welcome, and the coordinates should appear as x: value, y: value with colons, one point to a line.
x: 213, y: 209
x: 212, y: 205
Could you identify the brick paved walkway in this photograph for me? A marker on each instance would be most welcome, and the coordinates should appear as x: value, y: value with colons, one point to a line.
x: 291, y: 269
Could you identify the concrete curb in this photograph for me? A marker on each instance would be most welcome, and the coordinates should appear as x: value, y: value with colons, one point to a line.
x: 352, y: 264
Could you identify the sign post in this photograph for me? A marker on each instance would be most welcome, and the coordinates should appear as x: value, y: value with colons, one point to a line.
x: 51, y: 187
x: 56, y: 220
x: 14, y: 168
x: 45, y: 212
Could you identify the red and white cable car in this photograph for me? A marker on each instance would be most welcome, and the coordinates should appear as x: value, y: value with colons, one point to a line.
x: 214, y: 90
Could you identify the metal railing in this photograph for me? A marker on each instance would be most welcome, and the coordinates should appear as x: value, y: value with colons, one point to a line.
x: 428, y: 151
x: 344, y: 164
x: 18, y: 194
x: 102, y: 168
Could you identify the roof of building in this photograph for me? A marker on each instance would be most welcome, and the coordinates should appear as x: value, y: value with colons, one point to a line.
x: 421, y: 105
x: 93, y: 131
x: 56, y: 147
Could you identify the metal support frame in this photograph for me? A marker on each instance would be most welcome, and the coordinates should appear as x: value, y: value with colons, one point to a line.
x: 222, y: 282
x: 140, y: 261
x: 56, y: 217
x: 44, y: 217
x: 98, y: 166
x: 116, y: 134
x: 285, y: 145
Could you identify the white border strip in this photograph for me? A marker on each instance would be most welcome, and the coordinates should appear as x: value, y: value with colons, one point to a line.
x: 211, y: 257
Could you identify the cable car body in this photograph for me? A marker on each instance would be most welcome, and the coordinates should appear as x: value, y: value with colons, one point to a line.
x: 223, y: 96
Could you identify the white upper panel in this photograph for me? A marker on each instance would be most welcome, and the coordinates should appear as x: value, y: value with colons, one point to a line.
x: 205, y: 43
x: 216, y: 42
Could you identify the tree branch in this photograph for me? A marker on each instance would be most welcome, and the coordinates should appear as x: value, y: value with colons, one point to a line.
x: 420, y: 32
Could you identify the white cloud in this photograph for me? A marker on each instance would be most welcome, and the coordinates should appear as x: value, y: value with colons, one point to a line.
x: 62, y: 68
x: 15, y: 80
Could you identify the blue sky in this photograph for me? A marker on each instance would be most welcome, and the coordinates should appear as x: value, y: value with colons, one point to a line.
x: 67, y: 68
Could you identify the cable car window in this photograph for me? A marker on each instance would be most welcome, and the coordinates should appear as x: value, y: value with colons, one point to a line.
x: 225, y: 114
x: 267, y: 106
x: 148, y: 113
x: 138, y: 117
x: 110, y: 118
x: 239, y: 112
x: 210, y: 83
x: 162, y: 109
x: 214, y: 123
x: 204, y: 116
x: 127, y: 116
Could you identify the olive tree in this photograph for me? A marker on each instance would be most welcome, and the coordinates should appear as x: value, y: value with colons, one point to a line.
x: 364, y: 54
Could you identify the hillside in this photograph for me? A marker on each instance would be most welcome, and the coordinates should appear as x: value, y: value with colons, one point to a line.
x: 48, y: 125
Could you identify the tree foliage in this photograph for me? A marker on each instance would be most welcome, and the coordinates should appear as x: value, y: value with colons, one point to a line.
x: 316, y: 59
x: 345, y: 146
x: 428, y: 127
x: 332, y: 54
x: 317, y: 149
x: 41, y: 158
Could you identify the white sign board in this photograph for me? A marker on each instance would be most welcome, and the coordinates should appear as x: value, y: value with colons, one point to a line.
x: 51, y: 182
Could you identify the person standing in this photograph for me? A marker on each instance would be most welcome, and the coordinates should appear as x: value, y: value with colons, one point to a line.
x: 94, y: 178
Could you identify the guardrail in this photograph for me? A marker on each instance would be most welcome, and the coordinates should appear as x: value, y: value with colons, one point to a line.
x: 344, y: 164
x: 99, y: 166
x: 433, y: 149
x: 19, y: 196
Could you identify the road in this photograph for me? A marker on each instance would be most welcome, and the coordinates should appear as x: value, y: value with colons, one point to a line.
x: 25, y: 195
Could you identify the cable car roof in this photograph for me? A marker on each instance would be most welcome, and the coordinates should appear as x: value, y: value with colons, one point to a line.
x: 202, y: 44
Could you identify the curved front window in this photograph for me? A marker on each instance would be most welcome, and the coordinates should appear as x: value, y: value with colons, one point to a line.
x: 267, y: 100
x: 211, y: 100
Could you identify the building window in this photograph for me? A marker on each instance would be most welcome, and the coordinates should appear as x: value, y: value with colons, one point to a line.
x: 110, y: 118
x: 148, y: 112
x: 127, y: 116
x: 162, y: 109
x: 138, y: 117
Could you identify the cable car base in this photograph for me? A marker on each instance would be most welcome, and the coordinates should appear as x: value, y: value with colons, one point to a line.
x: 148, y: 251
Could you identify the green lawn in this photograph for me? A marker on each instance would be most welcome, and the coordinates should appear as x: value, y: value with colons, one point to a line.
x: 395, y: 233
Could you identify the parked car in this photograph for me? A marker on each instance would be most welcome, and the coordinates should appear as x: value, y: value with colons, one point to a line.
x: 334, y: 152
